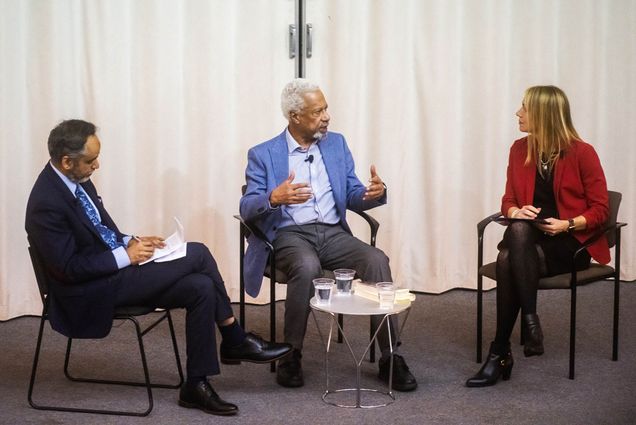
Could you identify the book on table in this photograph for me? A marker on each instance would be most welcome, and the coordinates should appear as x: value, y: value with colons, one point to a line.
x: 369, y: 291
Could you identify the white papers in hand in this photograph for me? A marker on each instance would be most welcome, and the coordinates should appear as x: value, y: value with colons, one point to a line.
x: 176, y: 246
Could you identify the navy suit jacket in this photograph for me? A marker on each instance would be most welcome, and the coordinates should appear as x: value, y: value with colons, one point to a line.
x: 267, y: 168
x: 80, y: 265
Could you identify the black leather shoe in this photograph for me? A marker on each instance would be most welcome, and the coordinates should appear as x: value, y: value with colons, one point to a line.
x: 403, y: 379
x: 289, y: 372
x: 203, y: 397
x: 254, y: 349
x: 533, y: 337
x: 496, y: 365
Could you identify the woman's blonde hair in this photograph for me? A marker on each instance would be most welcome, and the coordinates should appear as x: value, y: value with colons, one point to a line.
x: 550, y: 125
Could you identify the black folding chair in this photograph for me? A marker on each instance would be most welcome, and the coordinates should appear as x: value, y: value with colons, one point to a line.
x: 127, y: 314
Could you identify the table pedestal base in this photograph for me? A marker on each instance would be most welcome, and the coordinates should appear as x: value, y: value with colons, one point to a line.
x: 358, y: 390
x: 386, y: 394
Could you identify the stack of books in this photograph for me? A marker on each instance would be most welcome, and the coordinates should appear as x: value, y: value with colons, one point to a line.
x: 369, y: 291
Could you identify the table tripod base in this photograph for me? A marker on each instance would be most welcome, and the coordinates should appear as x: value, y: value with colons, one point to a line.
x: 385, y: 394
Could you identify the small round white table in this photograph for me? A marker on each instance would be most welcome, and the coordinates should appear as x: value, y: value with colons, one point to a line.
x: 358, y: 306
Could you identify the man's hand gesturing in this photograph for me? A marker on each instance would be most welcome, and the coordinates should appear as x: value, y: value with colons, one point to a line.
x: 290, y: 193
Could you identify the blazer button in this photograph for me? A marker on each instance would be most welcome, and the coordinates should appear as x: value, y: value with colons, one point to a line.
x: 274, y: 228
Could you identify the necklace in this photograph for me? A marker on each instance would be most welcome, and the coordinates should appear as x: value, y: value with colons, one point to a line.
x: 544, y: 165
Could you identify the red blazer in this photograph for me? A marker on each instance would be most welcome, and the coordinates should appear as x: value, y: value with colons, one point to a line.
x: 579, y: 188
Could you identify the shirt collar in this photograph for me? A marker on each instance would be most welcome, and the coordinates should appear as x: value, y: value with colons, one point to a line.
x: 70, y: 184
x: 293, y: 145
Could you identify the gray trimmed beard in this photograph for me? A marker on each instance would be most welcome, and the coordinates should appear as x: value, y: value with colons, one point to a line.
x: 318, y: 136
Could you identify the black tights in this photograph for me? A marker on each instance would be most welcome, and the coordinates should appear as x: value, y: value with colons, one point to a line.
x: 519, y: 267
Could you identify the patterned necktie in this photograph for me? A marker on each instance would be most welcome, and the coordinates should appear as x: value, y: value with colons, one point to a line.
x: 107, y: 234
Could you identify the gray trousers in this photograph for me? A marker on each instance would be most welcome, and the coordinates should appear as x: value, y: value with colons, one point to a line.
x: 302, y: 252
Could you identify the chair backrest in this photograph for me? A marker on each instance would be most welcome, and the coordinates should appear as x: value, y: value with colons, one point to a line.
x: 614, y: 202
x: 40, y: 272
x: 245, y: 231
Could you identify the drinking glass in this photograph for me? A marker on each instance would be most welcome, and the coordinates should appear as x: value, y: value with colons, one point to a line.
x: 324, y: 289
x: 344, y: 279
x: 386, y: 294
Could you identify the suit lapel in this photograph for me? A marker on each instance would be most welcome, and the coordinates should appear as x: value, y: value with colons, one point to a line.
x: 71, y: 201
x: 333, y: 166
x: 280, y: 159
x: 59, y: 185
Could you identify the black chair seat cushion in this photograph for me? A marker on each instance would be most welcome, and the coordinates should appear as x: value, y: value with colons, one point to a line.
x: 561, y: 281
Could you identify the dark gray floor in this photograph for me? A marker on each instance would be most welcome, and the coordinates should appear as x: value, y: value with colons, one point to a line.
x: 438, y: 345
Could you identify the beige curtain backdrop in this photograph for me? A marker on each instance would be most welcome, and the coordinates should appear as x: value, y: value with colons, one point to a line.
x: 426, y: 90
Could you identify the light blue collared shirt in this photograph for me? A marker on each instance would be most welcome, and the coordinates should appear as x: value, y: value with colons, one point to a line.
x: 321, y: 208
x: 121, y: 257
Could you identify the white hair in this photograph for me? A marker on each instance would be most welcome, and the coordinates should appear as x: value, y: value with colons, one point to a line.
x: 292, y: 97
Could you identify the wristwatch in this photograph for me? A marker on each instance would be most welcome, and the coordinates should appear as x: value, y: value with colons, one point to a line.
x: 571, y: 226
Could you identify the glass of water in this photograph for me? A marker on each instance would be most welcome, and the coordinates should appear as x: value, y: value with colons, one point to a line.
x: 386, y: 294
x: 324, y: 289
x: 344, y: 278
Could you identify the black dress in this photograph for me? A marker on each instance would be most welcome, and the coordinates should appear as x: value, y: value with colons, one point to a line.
x: 559, y: 249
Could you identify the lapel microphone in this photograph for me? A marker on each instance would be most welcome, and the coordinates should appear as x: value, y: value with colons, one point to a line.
x: 309, y: 159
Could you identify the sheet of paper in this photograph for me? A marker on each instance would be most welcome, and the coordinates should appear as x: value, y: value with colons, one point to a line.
x: 178, y: 253
x: 176, y: 246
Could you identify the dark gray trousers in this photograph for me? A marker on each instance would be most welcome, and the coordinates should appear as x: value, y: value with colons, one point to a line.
x: 302, y: 252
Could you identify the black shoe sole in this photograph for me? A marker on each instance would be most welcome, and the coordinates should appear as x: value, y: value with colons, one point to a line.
x: 405, y: 388
x: 486, y: 384
x: 398, y: 387
x: 225, y: 360
x: 290, y: 384
x: 533, y: 351
x: 212, y: 412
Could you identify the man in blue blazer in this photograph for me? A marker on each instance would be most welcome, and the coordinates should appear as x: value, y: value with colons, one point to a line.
x: 299, y: 187
x: 94, y: 268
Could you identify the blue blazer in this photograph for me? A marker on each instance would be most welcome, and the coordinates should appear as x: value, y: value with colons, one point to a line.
x: 267, y: 168
x: 79, y: 263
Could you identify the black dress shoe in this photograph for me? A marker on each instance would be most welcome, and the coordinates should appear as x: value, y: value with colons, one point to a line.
x: 289, y: 372
x: 403, y: 379
x: 202, y: 396
x: 254, y: 349
x: 533, y: 337
x: 497, y: 365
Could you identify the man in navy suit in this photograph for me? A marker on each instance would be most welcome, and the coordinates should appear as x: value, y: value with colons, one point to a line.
x: 299, y: 187
x: 94, y: 268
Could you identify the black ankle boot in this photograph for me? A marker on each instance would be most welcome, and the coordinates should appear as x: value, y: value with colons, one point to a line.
x: 533, y: 337
x: 496, y: 365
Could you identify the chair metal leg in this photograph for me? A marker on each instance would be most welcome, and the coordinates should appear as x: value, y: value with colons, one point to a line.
x: 241, y: 279
x: 616, y: 313
x: 572, y: 326
x: 83, y: 410
x: 480, y: 309
x: 165, y: 316
x: 36, y: 358
x: 617, y: 289
x: 341, y: 324
x: 272, y: 316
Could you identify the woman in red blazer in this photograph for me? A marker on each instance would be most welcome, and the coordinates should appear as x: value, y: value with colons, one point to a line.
x: 552, y: 175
